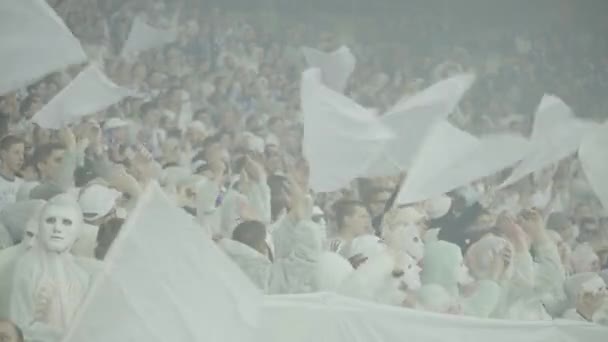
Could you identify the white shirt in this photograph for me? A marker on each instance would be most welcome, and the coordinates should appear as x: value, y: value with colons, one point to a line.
x: 8, y: 190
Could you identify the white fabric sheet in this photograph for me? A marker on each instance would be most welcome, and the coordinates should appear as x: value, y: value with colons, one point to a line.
x: 165, y: 280
x: 593, y: 155
x: 35, y: 42
x: 412, y: 118
x: 145, y: 37
x: 557, y: 133
x: 451, y: 158
x: 443, y: 144
x: 331, y: 318
x: 91, y: 91
x: 341, y: 138
x: 336, y: 67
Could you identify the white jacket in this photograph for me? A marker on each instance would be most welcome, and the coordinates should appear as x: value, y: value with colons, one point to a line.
x: 255, y: 265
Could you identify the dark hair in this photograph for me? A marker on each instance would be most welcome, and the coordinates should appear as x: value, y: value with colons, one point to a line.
x: 36, y: 132
x: 145, y: 108
x: 557, y: 221
x: 250, y: 233
x: 273, y: 120
x: 10, y: 140
x: 4, y: 123
x: 345, y: 208
x: 456, y: 229
x: 106, y: 235
x: 42, y: 153
x: 27, y: 103
x: 214, y: 139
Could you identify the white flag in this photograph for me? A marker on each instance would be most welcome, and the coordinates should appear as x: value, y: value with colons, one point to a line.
x: 442, y: 144
x: 341, y: 138
x: 412, y: 119
x: 91, y: 91
x: 451, y: 158
x: 593, y: 155
x: 165, y: 280
x: 35, y: 42
x: 557, y: 133
x: 145, y: 37
x: 336, y: 67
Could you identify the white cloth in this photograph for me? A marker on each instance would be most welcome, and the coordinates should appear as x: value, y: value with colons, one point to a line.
x: 412, y: 118
x: 255, y: 265
x: 340, y: 137
x: 557, y: 133
x: 90, y: 92
x: 331, y: 271
x: 336, y: 67
x: 329, y: 317
x: 35, y: 42
x: 450, y: 158
x: 199, y: 294
x: 144, y: 37
x: 592, y: 154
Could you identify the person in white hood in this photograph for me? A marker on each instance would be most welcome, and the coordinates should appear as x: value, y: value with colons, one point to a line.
x: 295, y: 273
x: 584, y: 259
x: 48, y: 284
x: 535, y: 288
x: 381, y: 275
x: 301, y: 241
x: 587, y: 297
x: 10, y: 256
x: 248, y: 249
x: 14, y: 218
x: 444, y: 266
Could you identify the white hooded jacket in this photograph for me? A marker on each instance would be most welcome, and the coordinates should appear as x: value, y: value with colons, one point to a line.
x: 254, y: 264
x: 442, y: 260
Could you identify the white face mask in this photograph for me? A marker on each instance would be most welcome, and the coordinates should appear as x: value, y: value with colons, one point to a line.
x: 59, y: 226
x: 411, y: 276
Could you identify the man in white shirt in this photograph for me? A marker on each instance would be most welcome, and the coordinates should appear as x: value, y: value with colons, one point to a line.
x: 12, y: 151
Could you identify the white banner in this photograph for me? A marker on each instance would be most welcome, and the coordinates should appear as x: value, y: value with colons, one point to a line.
x: 90, y: 92
x: 340, y: 137
x: 331, y: 318
x: 336, y: 67
x: 145, y: 37
x: 593, y: 155
x: 165, y: 280
x: 35, y: 42
x: 557, y: 133
x: 412, y: 119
